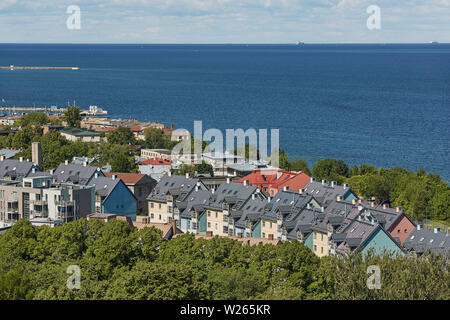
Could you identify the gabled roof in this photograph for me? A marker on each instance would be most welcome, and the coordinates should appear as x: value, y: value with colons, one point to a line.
x: 185, y: 186
x: 197, y: 200
x: 324, y: 192
x: 15, y: 168
x: 79, y: 132
x: 76, y: 173
x: 277, y: 179
x: 155, y: 162
x: 127, y: 178
x: 104, y: 186
x: 422, y: 240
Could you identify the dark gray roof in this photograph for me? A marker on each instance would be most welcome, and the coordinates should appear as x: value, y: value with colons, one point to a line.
x: 235, y: 194
x: 424, y: 239
x: 15, y: 168
x: 104, y: 186
x: 289, y: 203
x: 176, y: 185
x: 75, y: 173
x: 197, y: 200
x: 251, y: 211
x: 324, y: 192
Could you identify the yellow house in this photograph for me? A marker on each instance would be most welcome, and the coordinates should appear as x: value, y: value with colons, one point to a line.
x: 320, y: 243
x: 157, y: 212
x: 268, y: 229
x: 215, y: 222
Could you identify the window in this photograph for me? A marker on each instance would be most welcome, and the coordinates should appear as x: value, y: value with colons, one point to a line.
x: 152, y: 205
x: 152, y: 216
x: 209, y: 224
x: 321, y: 249
x: 264, y: 224
x: 216, y: 214
x: 398, y: 231
x: 271, y: 225
x: 209, y: 213
x: 315, y: 235
x: 159, y: 217
x: 406, y: 231
x: 215, y: 226
x: 263, y: 234
x: 321, y: 237
x: 160, y: 206
x: 315, y: 248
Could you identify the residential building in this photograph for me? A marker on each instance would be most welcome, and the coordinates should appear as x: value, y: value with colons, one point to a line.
x: 113, y: 196
x: 11, y: 169
x: 164, y: 154
x: 140, y: 185
x: 325, y: 192
x: 271, y: 181
x: 219, y: 161
x: 78, y: 134
x: 8, y: 153
x: 180, y: 135
x: 155, y: 168
x: 75, y: 173
x: 169, y: 189
x: 421, y: 241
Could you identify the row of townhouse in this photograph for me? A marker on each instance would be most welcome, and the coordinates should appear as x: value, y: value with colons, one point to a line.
x: 326, y: 217
x: 68, y: 193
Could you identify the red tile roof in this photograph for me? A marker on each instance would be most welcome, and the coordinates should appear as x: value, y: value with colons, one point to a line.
x: 155, y: 162
x: 127, y: 178
x: 277, y: 179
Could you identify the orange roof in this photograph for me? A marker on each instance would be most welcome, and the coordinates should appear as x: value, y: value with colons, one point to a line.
x: 164, y: 227
x: 277, y: 179
x: 136, y: 128
x: 127, y: 178
x: 155, y: 161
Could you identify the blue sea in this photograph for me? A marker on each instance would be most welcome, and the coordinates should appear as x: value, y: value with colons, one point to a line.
x: 387, y: 105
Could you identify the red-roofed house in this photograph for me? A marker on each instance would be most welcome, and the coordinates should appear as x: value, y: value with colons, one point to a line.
x: 155, y: 162
x: 270, y: 181
x: 139, y: 184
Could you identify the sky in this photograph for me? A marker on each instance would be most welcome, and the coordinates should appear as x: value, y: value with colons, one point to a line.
x: 224, y: 21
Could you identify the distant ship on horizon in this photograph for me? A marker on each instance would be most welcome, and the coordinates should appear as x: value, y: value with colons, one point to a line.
x: 299, y: 43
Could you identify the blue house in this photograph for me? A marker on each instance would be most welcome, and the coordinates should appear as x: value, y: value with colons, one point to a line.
x: 113, y: 196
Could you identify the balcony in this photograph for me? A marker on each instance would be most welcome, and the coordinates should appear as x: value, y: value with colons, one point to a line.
x: 40, y: 202
x: 63, y: 203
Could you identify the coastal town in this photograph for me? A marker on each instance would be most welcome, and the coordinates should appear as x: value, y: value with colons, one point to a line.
x: 248, y: 201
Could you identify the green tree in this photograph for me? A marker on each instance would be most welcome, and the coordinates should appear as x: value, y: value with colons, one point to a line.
x: 122, y: 135
x: 331, y: 170
x: 299, y: 164
x: 122, y: 163
x: 73, y: 117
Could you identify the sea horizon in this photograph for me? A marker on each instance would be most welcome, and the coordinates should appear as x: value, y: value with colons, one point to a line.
x: 380, y: 104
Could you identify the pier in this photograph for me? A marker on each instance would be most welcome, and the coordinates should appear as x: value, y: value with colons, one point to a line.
x: 12, y: 67
x: 91, y: 112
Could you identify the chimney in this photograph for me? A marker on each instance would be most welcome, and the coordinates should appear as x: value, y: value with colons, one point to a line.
x: 213, y: 190
x: 322, y: 209
x: 268, y: 200
x: 96, y: 175
x: 419, y: 226
x: 245, y: 182
x: 346, y: 185
x: 270, y: 236
x: 324, y: 182
x: 398, y: 209
x: 66, y: 162
x: 354, y: 201
x: 228, y: 180
x: 2, y: 157
x: 339, y: 198
x: 360, y: 200
x: 196, y: 188
x: 285, y: 188
x: 312, y: 179
x: 253, y: 196
x: 169, y: 173
x: 187, y: 175
x: 33, y: 170
x: 436, y: 230
x: 385, y: 206
x: 333, y: 183
x: 114, y: 177
x: 359, y: 218
x: 36, y: 153
x: 84, y: 163
x: 372, y: 204
x: 239, y: 235
x: 308, y: 206
x: 301, y: 191
x: 21, y: 159
x: 52, y: 172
